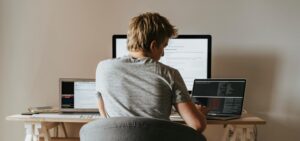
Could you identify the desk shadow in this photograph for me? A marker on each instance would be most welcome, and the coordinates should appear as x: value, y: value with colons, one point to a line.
x: 259, y: 68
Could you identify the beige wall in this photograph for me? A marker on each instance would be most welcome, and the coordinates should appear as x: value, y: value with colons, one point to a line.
x: 43, y: 40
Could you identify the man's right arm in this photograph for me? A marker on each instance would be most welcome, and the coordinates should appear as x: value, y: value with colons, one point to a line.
x: 192, y: 115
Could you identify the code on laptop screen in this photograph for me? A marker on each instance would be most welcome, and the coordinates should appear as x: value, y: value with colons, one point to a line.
x: 221, y: 97
x: 78, y: 95
x: 85, y: 95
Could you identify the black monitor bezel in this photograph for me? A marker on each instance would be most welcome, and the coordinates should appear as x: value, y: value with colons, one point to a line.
x: 183, y: 36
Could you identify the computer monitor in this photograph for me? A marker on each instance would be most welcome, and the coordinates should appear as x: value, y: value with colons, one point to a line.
x: 189, y: 54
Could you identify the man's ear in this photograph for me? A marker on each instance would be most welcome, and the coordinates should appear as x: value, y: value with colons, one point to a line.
x: 153, y: 45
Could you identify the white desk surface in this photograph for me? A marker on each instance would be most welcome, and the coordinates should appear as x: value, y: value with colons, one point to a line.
x: 80, y: 118
x: 38, y: 124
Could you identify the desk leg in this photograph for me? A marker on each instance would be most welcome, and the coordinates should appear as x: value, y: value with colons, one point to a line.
x: 37, y: 128
x: 46, y: 134
x: 228, y: 133
x: 244, y: 134
x: 33, y: 131
x: 64, y: 129
x: 248, y: 133
x: 239, y: 133
x: 29, y: 131
x: 236, y: 132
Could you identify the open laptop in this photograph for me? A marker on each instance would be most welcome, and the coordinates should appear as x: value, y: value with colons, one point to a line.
x: 78, y: 95
x: 223, y: 97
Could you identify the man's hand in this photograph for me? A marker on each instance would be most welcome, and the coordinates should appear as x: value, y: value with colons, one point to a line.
x: 201, y: 108
x: 192, y: 115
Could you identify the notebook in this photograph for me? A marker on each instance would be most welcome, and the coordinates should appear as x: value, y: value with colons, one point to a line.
x: 78, y: 95
x: 223, y: 97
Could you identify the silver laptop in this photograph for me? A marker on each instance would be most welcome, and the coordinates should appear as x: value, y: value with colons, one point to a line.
x: 78, y: 95
x: 223, y: 97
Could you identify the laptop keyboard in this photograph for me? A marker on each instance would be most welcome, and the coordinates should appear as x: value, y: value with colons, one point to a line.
x: 90, y: 116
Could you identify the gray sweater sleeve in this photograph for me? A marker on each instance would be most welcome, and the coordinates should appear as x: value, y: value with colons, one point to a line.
x: 179, y: 89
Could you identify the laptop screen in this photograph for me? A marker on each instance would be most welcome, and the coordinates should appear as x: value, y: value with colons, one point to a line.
x: 78, y: 95
x: 221, y: 96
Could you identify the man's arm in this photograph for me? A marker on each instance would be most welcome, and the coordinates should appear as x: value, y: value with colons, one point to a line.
x: 192, y: 115
x: 101, y: 107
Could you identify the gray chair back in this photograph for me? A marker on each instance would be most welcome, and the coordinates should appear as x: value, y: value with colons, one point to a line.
x: 137, y: 129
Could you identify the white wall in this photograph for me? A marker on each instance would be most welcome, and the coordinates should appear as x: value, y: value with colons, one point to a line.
x: 43, y: 40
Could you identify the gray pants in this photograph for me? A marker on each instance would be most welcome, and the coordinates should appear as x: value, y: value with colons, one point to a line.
x: 137, y: 129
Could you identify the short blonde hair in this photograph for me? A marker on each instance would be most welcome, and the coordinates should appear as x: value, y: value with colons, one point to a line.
x: 145, y: 28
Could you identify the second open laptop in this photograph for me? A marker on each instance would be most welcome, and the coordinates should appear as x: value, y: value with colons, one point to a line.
x: 78, y: 95
x: 223, y: 97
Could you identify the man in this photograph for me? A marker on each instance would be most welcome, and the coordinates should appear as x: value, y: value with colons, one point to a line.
x: 139, y: 85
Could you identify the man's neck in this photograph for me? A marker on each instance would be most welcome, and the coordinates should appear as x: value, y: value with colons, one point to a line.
x: 137, y: 54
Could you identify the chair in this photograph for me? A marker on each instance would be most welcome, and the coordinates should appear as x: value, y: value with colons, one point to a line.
x: 137, y: 129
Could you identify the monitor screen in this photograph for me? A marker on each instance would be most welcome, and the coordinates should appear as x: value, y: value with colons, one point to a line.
x: 189, y: 54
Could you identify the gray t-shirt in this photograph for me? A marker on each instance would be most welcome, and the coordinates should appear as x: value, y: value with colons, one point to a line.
x: 139, y: 87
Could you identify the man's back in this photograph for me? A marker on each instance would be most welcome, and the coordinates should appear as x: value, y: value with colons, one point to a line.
x: 139, y: 87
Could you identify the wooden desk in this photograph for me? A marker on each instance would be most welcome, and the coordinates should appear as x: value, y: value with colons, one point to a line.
x: 242, y: 129
x: 39, y: 124
x: 246, y: 119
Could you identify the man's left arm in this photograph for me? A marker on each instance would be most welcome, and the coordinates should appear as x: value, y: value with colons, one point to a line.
x: 101, y: 107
